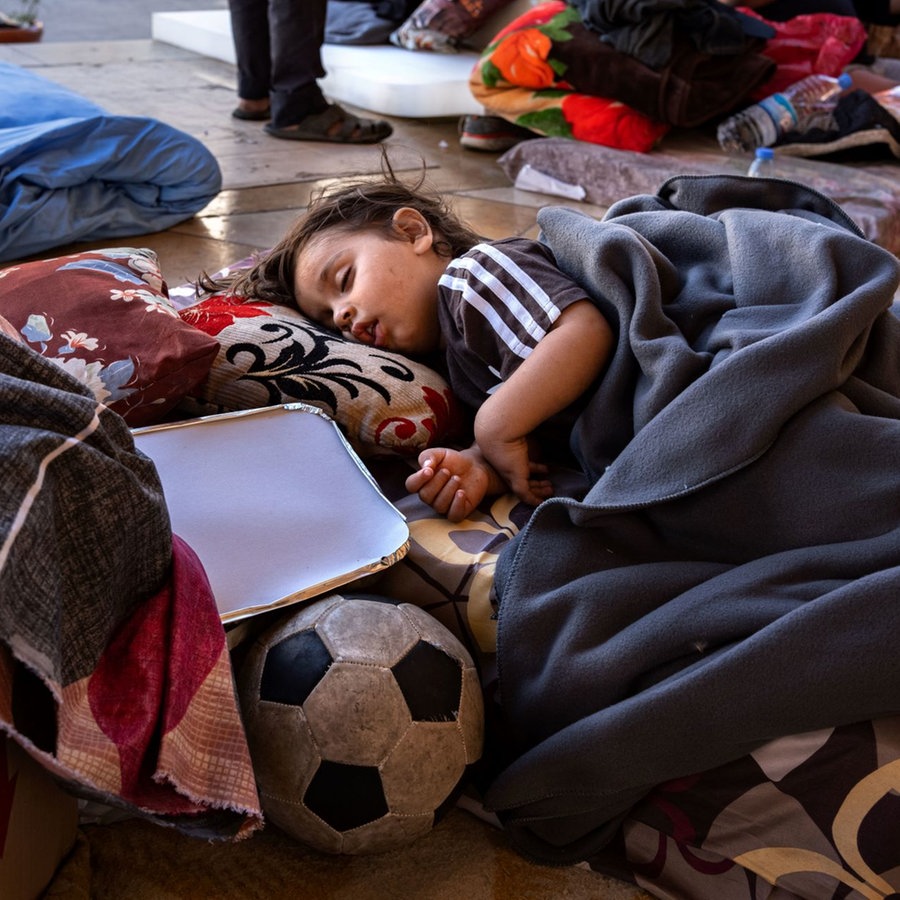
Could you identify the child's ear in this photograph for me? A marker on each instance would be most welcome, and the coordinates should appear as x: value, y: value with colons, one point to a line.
x: 414, y: 227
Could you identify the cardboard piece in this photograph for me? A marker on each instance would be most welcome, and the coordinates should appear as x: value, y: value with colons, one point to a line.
x: 275, y: 503
x: 38, y: 824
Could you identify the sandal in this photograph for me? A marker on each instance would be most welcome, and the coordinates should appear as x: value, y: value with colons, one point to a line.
x: 336, y: 125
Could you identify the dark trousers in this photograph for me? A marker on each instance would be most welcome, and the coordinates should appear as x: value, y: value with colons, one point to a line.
x: 278, y: 48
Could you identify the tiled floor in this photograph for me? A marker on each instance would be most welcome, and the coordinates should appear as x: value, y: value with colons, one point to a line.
x: 267, y: 182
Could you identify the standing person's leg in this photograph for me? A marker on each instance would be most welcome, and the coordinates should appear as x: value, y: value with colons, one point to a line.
x: 250, y: 31
x: 296, y: 33
x: 299, y: 109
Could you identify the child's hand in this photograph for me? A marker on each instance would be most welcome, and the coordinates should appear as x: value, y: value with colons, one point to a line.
x: 512, y: 461
x: 453, y: 482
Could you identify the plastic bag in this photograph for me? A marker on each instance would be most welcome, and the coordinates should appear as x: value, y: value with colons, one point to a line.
x: 821, y: 43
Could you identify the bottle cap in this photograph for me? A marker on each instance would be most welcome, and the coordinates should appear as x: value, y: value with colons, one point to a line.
x: 765, y: 153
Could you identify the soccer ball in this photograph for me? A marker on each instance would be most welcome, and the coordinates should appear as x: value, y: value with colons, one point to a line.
x: 362, y: 716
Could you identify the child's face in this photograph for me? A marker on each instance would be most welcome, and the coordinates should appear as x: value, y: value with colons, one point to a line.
x: 374, y: 289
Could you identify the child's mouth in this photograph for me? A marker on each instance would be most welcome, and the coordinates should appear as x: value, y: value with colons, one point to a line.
x: 368, y: 333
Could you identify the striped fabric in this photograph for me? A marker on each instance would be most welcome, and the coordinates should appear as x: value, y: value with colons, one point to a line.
x: 496, y: 303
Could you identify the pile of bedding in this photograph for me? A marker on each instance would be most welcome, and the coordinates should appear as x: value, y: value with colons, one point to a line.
x: 70, y: 171
x: 622, y: 74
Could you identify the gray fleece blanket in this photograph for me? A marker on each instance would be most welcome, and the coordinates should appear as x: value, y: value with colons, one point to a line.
x: 733, y: 574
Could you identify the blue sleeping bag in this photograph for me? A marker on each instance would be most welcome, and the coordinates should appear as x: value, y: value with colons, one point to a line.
x: 70, y: 171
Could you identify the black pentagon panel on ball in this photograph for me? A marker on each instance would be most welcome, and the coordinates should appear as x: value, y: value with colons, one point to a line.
x: 293, y: 667
x: 346, y: 796
x: 431, y: 682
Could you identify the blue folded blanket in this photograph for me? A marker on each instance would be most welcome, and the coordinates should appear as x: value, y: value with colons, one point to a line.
x: 70, y: 171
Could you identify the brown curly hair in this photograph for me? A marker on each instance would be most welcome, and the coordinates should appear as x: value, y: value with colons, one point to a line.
x: 355, y: 206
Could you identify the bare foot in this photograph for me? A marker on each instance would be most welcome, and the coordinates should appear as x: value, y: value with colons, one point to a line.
x: 254, y: 110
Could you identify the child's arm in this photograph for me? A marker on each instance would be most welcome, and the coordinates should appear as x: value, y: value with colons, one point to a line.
x: 560, y: 368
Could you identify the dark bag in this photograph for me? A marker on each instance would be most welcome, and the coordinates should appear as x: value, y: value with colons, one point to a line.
x: 694, y: 87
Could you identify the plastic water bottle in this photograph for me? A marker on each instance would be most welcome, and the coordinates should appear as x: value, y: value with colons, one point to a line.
x: 763, y: 165
x: 805, y: 104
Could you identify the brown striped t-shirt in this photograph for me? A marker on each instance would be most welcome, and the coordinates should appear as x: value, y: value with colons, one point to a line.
x: 495, y: 303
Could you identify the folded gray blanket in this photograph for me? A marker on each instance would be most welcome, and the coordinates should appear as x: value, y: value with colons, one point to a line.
x: 733, y: 575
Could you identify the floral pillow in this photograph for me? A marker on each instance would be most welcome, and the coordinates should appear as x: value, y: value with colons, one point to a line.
x: 105, y: 318
x: 385, y: 403
x: 443, y: 25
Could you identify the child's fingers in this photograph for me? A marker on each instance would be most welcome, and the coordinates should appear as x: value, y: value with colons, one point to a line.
x: 459, y: 507
x: 415, y: 482
x: 434, y: 489
x: 536, y: 492
x: 444, y: 492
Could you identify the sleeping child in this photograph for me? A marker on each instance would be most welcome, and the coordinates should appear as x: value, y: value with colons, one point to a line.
x: 391, y: 266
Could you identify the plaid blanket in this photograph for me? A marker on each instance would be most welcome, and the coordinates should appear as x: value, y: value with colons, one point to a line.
x: 114, y: 673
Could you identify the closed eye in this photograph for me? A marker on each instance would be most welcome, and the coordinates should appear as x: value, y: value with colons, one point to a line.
x: 325, y: 318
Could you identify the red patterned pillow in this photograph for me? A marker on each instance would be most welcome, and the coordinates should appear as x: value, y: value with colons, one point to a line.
x: 104, y: 317
x: 385, y: 403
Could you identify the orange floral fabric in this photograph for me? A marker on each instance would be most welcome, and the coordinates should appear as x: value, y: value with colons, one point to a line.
x: 522, y: 59
x: 518, y: 79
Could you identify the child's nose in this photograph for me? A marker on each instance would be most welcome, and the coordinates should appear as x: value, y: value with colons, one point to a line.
x: 345, y: 315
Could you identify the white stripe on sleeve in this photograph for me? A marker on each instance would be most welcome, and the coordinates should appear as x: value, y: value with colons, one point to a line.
x: 476, y: 301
